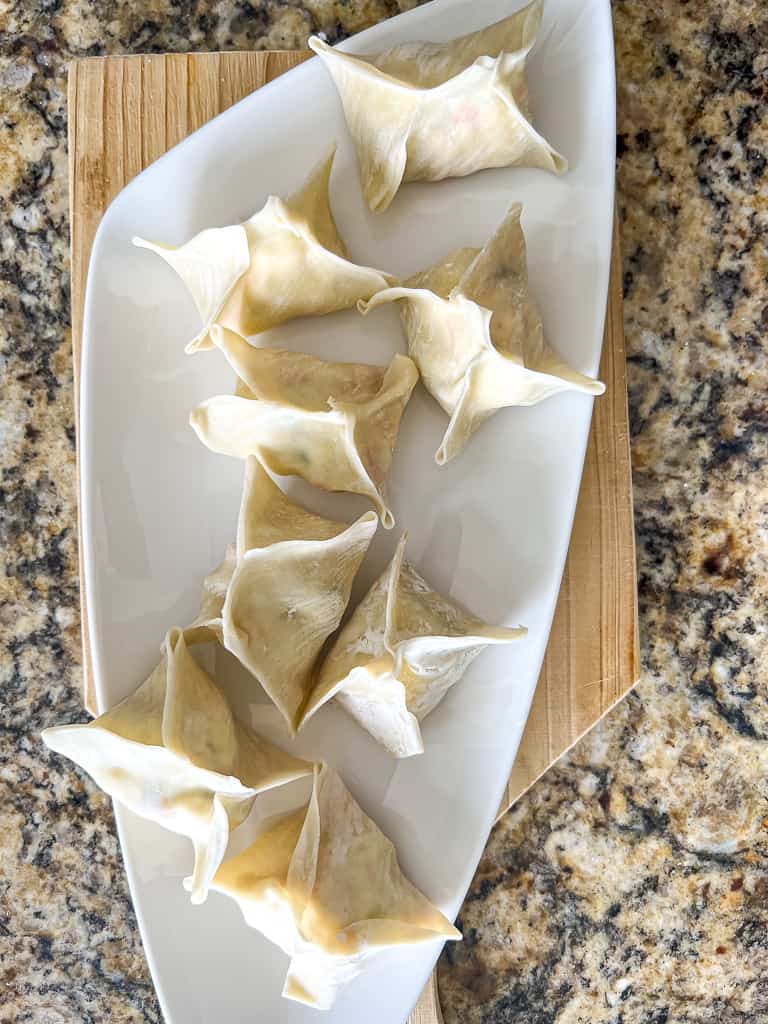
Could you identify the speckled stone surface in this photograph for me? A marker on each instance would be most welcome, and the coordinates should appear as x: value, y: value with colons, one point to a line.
x: 631, y: 885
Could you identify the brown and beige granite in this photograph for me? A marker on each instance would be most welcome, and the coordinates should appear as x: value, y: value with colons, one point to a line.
x: 631, y: 885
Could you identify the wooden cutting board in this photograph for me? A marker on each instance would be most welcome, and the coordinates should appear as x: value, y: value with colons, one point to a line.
x: 125, y: 112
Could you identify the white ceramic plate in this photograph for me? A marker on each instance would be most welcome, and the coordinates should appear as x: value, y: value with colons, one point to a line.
x: 491, y: 528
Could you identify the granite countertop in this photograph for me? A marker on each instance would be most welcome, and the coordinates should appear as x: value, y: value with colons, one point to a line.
x: 630, y: 885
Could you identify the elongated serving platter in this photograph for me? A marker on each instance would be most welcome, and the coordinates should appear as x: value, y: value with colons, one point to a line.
x: 157, y: 508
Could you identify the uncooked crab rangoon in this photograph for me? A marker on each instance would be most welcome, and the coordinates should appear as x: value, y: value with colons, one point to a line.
x: 287, y: 260
x: 427, y: 111
x: 324, y: 884
x: 174, y: 753
x: 333, y: 424
x: 476, y: 335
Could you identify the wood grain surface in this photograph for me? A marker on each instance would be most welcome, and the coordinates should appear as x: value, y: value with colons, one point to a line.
x: 125, y: 112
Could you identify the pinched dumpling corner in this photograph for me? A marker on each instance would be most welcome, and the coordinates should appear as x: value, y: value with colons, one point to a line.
x: 286, y: 261
x: 476, y: 335
x: 174, y: 753
x: 427, y: 111
x: 403, y: 648
x: 324, y: 884
x: 282, y: 589
x: 333, y: 424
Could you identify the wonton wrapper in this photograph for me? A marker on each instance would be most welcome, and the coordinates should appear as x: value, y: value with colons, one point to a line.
x: 281, y: 592
x: 427, y: 111
x: 174, y: 753
x: 325, y: 886
x: 286, y: 261
x: 398, y: 655
x: 334, y: 424
x: 476, y: 335
x: 208, y: 626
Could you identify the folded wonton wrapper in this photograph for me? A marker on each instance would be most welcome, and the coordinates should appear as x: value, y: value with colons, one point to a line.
x: 208, y: 626
x: 281, y: 592
x: 325, y: 886
x: 334, y: 424
x: 427, y: 111
x: 398, y: 655
x: 286, y: 261
x: 476, y: 335
x: 174, y: 753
